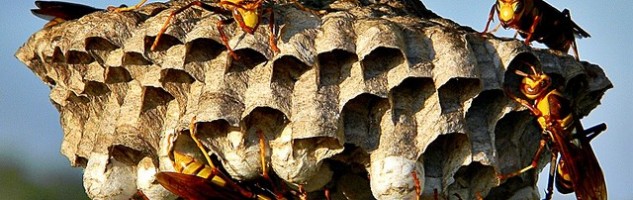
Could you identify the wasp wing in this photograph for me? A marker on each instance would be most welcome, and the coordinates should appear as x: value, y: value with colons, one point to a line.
x: 50, y: 10
x: 565, y: 16
x: 578, y: 32
x: 193, y: 187
x: 583, y: 168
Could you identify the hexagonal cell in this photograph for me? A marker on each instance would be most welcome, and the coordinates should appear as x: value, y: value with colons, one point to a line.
x: 166, y: 42
x: 176, y: 77
x: 473, y: 179
x: 442, y: 159
x: 381, y: 60
x: 154, y: 97
x: 203, y: 49
x: 237, y: 149
x: 248, y: 59
x: 117, y: 75
x: 78, y: 57
x: 266, y: 119
x: 132, y: 58
x: 359, y: 119
x: 350, y: 180
x: 288, y: 69
x: 481, y: 118
x: 454, y: 93
x: 125, y: 154
x: 94, y: 88
x: 100, y: 48
x: 334, y: 66
x: 57, y: 57
x: 410, y: 96
x: 516, y: 139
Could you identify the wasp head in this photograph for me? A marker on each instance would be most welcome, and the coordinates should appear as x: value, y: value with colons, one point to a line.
x: 533, y: 85
x: 510, y: 11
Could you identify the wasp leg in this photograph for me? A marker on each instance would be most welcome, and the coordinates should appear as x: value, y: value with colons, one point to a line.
x: 54, y: 22
x: 490, y: 19
x: 194, y: 136
x: 215, y: 172
x: 271, y: 27
x: 262, y: 154
x: 125, y: 9
x: 552, y: 173
x: 224, y: 38
x: 528, y: 39
x: 200, y: 4
x: 532, y: 165
x: 416, y: 184
x: 494, y: 30
x: 594, y: 131
x: 301, y: 7
x: 516, y: 34
x: 575, y: 49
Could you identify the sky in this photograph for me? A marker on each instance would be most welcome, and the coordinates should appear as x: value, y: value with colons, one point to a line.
x: 30, y: 132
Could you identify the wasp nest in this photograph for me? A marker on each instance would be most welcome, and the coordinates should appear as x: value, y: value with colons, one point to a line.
x: 357, y: 100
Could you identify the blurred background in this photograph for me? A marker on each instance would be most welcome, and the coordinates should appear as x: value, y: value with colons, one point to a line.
x: 32, y: 167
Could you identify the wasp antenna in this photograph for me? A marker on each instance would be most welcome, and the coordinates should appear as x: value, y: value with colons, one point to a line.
x: 262, y: 152
x: 521, y: 73
x: 533, y: 70
x: 527, y: 63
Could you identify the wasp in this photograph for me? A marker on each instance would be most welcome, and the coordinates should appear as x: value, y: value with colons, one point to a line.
x: 578, y: 169
x: 536, y: 20
x: 57, y: 11
x: 197, y: 176
x: 247, y: 14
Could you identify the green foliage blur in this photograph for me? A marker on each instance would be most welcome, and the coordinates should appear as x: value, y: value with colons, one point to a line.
x: 16, y: 182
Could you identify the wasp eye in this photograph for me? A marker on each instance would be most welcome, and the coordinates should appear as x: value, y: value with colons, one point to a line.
x: 518, y: 6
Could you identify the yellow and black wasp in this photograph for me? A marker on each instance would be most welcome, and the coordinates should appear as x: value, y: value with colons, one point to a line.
x: 578, y: 169
x: 536, y: 20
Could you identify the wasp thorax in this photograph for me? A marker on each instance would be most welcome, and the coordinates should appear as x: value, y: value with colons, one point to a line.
x: 251, y: 19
